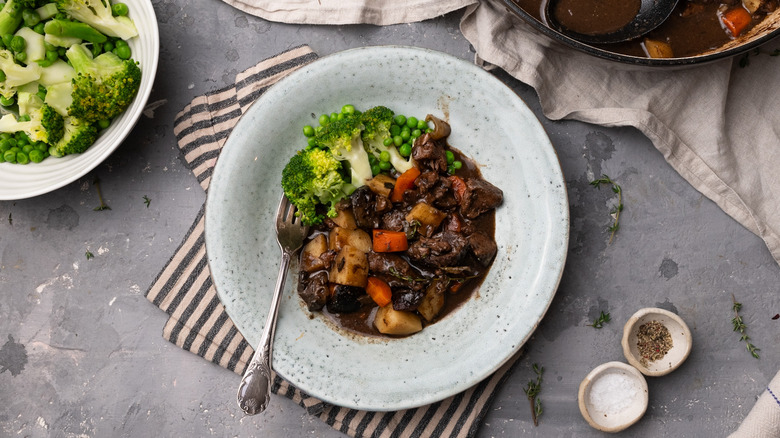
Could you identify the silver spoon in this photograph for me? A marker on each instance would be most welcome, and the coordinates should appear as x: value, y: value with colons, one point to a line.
x: 254, y: 391
x: 650, y: 15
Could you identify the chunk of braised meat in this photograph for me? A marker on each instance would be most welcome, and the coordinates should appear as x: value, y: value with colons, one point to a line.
x: 388, y: 263
x: 315, y: 292
x: 435, y: 190
x: 345, y: 299
x: 483, y: 247
x: 407, y: 300
x: 368, y: 207
x: 443, y: 249
x: 480, y: 196
x: 426, y: 180
x: 394, y: 220
x: 430, y: 153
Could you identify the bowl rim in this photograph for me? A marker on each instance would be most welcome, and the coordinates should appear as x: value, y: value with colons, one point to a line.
x: 629, y: 327
x: 636, y: 60
x: 593, y: 375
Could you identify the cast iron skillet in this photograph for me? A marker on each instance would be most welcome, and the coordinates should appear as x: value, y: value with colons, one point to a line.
x: 760, y: 34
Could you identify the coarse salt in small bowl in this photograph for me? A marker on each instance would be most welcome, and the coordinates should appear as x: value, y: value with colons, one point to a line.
x: 613, y: 396
x: 648, y: 359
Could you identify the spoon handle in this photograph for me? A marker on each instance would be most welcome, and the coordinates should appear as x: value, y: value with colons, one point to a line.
x: 254, y: 391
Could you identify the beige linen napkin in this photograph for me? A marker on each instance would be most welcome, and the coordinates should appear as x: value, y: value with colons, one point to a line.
x: 763, y: 421
x: 380, y: 12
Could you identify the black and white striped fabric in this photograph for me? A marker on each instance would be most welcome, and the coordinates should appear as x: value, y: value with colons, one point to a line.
x: 199, y: 323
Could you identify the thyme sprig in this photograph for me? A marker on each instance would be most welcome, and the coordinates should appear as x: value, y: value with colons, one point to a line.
x: 532, y: 391
x: 599, y: 322
x: 147, y: 201
x: 89, y: 255
x: 102, y: 205
x: 615, y: 212
x: 739, y: 326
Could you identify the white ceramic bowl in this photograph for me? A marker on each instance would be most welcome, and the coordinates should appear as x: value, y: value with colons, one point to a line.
x: 25, y: 181
x: 490, y: 124
x: 681, y: 341
x: 613, y: 396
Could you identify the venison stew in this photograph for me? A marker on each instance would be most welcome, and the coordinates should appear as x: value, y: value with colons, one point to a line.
x: 405, y: 249
x: 695, y: 27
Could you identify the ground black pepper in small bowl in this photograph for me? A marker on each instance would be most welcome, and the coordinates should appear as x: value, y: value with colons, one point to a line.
x: 656, y: 341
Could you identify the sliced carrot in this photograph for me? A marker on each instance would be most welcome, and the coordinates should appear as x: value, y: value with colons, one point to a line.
x: 458, y: 186
x: 404, y: 183
x: 736, y: 20
x: 379, y: 291
x: 389, y: 241
x: 455, y: 286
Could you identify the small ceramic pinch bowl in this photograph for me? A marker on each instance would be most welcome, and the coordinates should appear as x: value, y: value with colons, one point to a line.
x: 613, y: 397
x: 681, y: 341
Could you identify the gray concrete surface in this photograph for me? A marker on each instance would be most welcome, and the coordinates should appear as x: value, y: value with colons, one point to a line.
x: 81, y: 352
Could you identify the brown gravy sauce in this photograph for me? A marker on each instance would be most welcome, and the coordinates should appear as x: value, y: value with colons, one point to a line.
x: 594, y: 18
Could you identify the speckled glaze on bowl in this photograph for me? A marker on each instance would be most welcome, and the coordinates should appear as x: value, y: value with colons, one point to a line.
x: 25, y: 181
x: 627, y: 415
x: 762, y: 33
x: 492, y: 125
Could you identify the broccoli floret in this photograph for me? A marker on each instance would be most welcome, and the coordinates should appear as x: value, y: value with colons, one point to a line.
x: 343, y: 138
x: 15, y: 74
x: 104, y: 86
x: 97, y: 13
x: 11, y: 16
x: 310, y: 178
x: 44, y: 123
x: 377, y: 123
x: 77, y: 137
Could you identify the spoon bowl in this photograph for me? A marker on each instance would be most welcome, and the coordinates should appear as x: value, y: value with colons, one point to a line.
x: 649, y: 15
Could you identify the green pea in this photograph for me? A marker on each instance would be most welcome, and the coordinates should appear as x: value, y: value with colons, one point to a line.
x: 5, y: 136
x: 21, y: 56
x: 348, y: 109
x: 30, y: 17
x: 405, y: 150
x: 385, y: 165
x: 450, y: 157
x: 61, y: 51
x: 375, y: 170
x: 36, y: 156
x: 388, y: 141
x: 7, y: 39
x: 411, y: 122
x: 22, y: 158
x: 308, y: 131
x: 406, y: 135
x: 311, y: 142
x: 104, y: 123
x: 395, y: 130
x: 119, y: 9
x: 120, y: 43
x: 22, y: 143
x: 12, y: 142
x: 15, y: 149
x: 422, y: 124
x: 400, y: 119
x: 324, y: 120
x: 123, y: 52
x: 384, y: 156
x: 398, y: 141
x: 457, y: 164
x: 334, y: 116
x: 372, y: 159
x: 2, y: 76
x: 18, y: 43
x: 41, y: 146
x: 27, y: 148
x: 416, y: 133
x: 429, y: 130
x: 5, y: 145
x: 9, y: 156
x: 38, y: 28
x: 108, y: 46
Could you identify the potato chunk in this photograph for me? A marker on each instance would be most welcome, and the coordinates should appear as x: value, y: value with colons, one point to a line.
x: 350, y: 267
x: 396, y: 322
x: 340, y: 237
x: 425, y: 214
x: 382, y: 184
x: 433, y: 300
x: 310, y: 256
x: 345, y: 219
x: 657, y: 49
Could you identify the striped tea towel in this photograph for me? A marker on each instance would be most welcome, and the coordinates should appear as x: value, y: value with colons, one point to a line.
x: 198, y: 322
x: 763, y: 421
